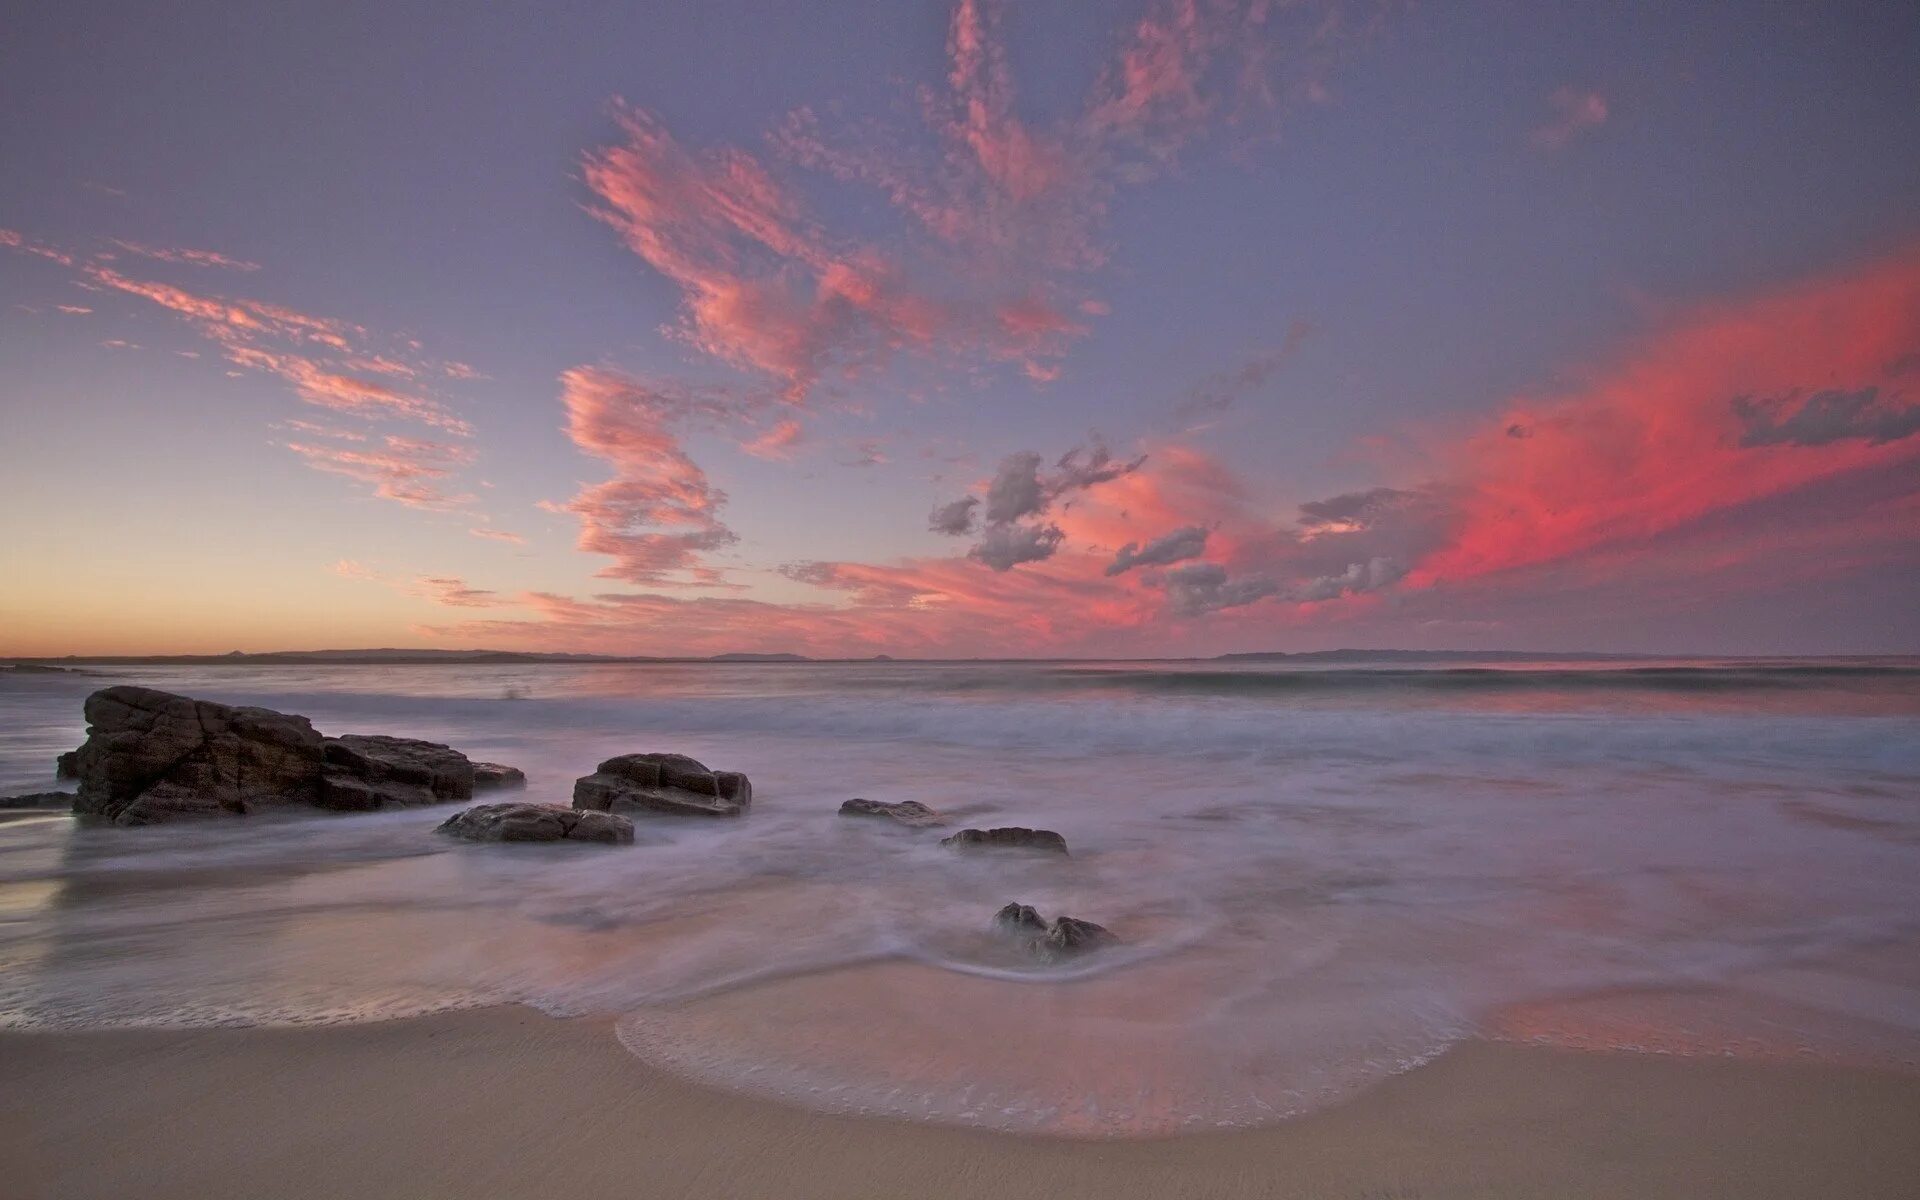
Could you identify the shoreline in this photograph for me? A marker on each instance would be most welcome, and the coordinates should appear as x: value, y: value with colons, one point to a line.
x: 505, y: 1102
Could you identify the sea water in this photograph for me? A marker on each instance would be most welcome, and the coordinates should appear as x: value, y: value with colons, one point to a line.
x: 1320, y: 875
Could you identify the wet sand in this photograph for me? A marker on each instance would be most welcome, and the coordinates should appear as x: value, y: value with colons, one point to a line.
x: 506, y: 1103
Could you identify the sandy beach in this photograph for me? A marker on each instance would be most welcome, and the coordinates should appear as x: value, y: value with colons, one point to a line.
x: 508, y: 1103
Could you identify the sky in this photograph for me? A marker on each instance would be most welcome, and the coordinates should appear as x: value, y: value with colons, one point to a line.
x: 963, y: 329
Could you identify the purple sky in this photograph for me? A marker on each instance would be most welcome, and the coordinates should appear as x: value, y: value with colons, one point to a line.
x: 930, y: 329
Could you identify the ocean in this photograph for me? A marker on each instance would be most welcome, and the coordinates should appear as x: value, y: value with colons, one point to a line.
x: 1321, y: 875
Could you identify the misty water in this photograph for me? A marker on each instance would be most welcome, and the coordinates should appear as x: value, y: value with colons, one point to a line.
x: 1321, y: 876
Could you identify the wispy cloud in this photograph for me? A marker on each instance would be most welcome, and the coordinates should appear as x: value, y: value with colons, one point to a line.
x: 187, y: 257
x: 1575, y: 112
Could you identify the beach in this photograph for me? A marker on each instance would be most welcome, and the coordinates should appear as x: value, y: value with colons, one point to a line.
x: 507, y: 1103
x: 1568, y: 929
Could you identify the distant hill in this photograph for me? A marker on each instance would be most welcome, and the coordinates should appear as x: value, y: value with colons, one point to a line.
x: 1417, y: 656
x: 385, y: 656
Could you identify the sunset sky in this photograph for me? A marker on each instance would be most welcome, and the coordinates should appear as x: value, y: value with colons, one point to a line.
x: 1039, y: 328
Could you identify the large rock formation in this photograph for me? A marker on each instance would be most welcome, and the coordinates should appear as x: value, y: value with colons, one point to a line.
x: 905, y: 812
x: 1012, y: 837
x: 67, y: 766
x: 367, y: 771
x: 515, y: 822
x: 151, y: 755
x: 662, y: 783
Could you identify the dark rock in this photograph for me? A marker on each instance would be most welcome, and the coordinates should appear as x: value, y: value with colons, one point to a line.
x: 1070, y: 936
x: 1008, y: 838
x: 516, y: 822
x: 497, y: 775
x: 151, y: 756
x: 1066, y: 937
x: 38, y: 800
x: 371, y: 771
x: 67, y: 766
x: 1020, y: 919
x: 906, y: 812
x: 662, y: 783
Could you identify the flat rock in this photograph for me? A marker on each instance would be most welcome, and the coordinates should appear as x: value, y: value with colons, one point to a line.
x: 38, y: 800
x: 1063, y: 938
x: 905, y: 812
x: 1012, y: 837
x: 153, y: 756
x: 519, y: 822
x: 671, y: 784
x: 372, y: 771
x: 497, y: 775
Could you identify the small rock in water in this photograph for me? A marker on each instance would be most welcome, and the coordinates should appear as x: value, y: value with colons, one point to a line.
x: 515, y: 822
x: 38, y: 800
x: 1019, y: 918
x: 906, y: 812
x: 1066, y: 937
x: 1011, y: 837
x: 662, y: 783
x: 497, y: 775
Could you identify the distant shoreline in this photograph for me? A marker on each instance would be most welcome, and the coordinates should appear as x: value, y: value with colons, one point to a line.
x: 397, y: 657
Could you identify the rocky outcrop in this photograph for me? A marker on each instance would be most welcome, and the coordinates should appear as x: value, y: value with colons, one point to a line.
x: 1064, y: 938
x: 1013, y: 837
x: 366, y: 771
x: 67, y: 766
x: 497, y: 776
x: 54, y: 800
x: 905, y: 812
x: 672, y: 784
x: 516, y: 822
x: 151, y: 756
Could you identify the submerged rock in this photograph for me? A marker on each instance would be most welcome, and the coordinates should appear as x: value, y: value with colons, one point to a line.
x: 1065, y: 937
x: 672, y: 784
x: 519, y: 822
x: 67, y: 766
x: 151, y: 756
x: 38, y: 800
x: 906, y: 812
x: 1012, y: 837
x: 497, y: 775
x: 365, y: 771
x: 1020, y: 919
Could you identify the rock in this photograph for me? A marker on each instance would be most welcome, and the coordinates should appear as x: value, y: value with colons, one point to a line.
x: 151, y: 756
x: 67, y: 766
x: 38, y: 800
x: 662, y: 783
x: 1066, y: 937
x: 906, y: 812
x: 516, y: 822
x: 366, y: 771
x: 1009, y: 838
x: 1070, y: 936
x: 497, y: 775
x: 1020, y: 919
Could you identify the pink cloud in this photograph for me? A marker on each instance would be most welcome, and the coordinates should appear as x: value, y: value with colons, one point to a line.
x: 194, y: 258
x: 498, y: 535
x: 777, y: 442
x: 1576, y: 110
x: 659, y: 514
x: 408, y: 471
